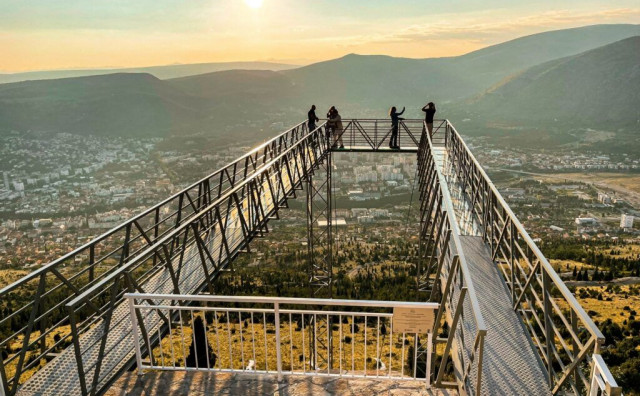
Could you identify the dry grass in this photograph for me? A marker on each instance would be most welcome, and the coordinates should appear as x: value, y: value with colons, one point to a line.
x: 234, y: 345
x: 567, y: 265
x: 613, y: 309
x: 626, y: 251
x: 16, y: 345
x: 8, y: 276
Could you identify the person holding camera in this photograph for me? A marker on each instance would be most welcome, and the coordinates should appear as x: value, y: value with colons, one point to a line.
x: 430, y: 110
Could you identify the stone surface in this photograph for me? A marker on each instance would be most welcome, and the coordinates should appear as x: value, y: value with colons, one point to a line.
x: 157, y: 383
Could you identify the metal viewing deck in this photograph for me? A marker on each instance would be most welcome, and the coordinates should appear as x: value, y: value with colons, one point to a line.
x: 501, y: 300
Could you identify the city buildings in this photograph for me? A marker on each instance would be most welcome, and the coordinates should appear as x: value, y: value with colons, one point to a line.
x: 626, y: 221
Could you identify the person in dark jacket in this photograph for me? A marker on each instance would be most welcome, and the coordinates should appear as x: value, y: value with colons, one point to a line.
x: 336, y: 122
x: 312, y: 118
x: 395, y: 119
x: 430, y: 110
x: 330, y: 125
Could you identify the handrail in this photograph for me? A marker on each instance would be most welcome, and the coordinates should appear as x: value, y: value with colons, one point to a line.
x: 601, y: 379
x: 282, y: 300
x: 322, y: 351
x: 593, y: 329
x: 443, y: 252
x: 482, y: 327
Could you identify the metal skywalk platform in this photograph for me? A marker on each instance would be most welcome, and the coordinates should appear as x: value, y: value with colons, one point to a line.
x: 512, y: 326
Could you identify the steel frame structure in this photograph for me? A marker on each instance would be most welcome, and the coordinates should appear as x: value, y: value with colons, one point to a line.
x: 183, y: 244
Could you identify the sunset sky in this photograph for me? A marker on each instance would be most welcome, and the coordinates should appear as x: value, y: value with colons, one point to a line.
x: 62, y: 34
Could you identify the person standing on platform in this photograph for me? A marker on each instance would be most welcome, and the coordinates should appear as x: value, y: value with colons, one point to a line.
x: 336, y: 121
x: 430, y: 110
x: 312, y: 118
x: 395, y: 119
x: 330, y: 126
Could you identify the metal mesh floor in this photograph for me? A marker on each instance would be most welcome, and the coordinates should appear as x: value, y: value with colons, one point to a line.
x: 511, y: 365
x: 60, y: 376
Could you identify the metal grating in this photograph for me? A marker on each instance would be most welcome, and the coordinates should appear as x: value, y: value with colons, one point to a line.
x: 510, y: 364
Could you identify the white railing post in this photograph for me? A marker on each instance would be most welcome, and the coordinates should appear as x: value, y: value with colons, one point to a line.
x: 1, y: 386
x: 601, y: 381
x: 276, y: 312
x: 429, y: 351
x: 136, y: 336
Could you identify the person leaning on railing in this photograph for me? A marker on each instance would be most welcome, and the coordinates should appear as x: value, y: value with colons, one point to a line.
x: 430, y: 110
x: 330, y: 125
x: 334, y: 123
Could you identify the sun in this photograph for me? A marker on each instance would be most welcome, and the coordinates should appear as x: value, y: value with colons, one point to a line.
x: 255, y: 4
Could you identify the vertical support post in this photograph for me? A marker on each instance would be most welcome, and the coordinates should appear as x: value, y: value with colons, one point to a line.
x: 75, y: 336
x: 276, y: 312
x: 446, y: 133
x: 156, y: 218
x: 547, y: 324
x: 512, y: 263
x: 375, y: 133
x: 429, y: 352
x: 574, y: 344
x: 136, y: 335
x: 329, y: 241
x: 310, y: 231
x: 92, y: 260
x: 3, y: 390
x: 480, y: 361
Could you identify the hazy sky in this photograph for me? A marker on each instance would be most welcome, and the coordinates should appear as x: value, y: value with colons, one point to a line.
x: 58, y: 34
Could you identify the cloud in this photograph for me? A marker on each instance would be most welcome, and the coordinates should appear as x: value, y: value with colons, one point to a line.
x: 487, y: 26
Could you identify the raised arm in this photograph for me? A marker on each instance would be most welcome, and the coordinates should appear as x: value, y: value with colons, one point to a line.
x: 424, y: 108
x: 400, y: 113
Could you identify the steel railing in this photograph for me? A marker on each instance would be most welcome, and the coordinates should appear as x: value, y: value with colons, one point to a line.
x: 564, y: 335
x: 602, y: 382
x: 52, y: 286
x: 374, y: 134
x: 278, y: 336
x: 443, y: 270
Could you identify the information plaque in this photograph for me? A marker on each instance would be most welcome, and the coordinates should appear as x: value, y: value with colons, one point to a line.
x: 413, y: 320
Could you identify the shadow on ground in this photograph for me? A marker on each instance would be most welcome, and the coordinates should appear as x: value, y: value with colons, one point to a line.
x: 156, y: 383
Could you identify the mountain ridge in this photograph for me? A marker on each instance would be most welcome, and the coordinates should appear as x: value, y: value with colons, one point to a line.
x: 144, y: 105
x: 161, y: 71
